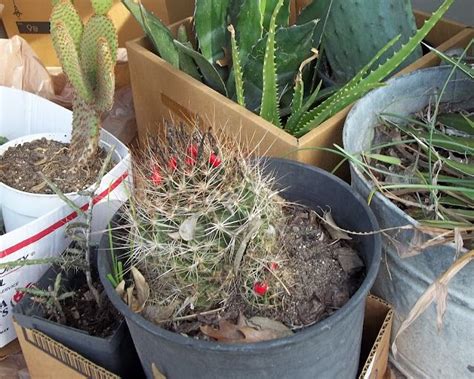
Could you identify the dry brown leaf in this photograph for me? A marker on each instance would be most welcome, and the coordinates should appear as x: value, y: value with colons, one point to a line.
x: 160, y: 313
x: 157, y: 373
x: 436, y: 292
x: 335, y: 231
x: 120, y: 289
x: 256, y: 329
x: 142, y: 290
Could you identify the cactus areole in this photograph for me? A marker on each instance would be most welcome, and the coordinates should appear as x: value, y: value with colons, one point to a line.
x: 87, y: 52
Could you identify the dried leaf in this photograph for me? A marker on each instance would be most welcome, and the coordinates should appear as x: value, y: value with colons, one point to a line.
x: 436, y: 292
x: 335, y: 231
x: 227, y: 332
x: 257, y: 329
x: 142, y: 291
x: 120, y: 289
x: 187, y: 230
x: 349, y: 260
x: 158, y: 314
x: 157, y: 373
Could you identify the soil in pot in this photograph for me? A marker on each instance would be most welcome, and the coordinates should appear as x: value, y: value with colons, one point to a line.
x: 22, y: 166
x: 414, y: 156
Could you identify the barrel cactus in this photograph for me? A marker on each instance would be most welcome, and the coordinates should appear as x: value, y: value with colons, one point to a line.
x: 203, y: 224
x: 87, y: 53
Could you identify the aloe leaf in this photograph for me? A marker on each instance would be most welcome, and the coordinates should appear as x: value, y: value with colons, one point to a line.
x: 298, y: 94
x: 269, y: 109
x: 209, y: 72
x: 294, y: 46
x: 338, y: 102
x: 156, y: 31
x: 249, y: 27
x: 296, y: 116
x: 210, y: 19
x: 316, y: 10
x: 283, y: 17
x: 457, y: 121
x: 239, y: 82
x: 186, y: 63
x: 384, y: 158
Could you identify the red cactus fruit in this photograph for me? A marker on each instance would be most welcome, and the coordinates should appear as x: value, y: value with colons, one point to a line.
x: 214, y: 160
x: 261, y: 288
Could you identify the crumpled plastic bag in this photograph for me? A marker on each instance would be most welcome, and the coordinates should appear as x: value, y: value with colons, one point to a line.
x: 21, y: 68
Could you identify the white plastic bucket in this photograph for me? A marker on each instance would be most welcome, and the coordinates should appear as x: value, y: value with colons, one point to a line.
x: 19, y: 207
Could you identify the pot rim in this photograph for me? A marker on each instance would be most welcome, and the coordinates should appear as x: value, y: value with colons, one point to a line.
x: 307, y: 333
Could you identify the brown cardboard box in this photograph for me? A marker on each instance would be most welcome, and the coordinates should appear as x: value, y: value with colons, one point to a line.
x: 162, y: 92
x: 48, y: 359
x: 375, y: 338
x: 30, y: 19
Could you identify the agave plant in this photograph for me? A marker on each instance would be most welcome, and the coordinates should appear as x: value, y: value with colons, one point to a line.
x: 88, y: 54
x: 249, y: 53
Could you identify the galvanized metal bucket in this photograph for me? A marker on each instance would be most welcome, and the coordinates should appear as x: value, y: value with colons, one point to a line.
x: 423, y: 351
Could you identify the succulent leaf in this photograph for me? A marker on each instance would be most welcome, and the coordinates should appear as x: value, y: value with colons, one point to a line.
x: 239, y: 82
x: 65, y: 13
x: 209, y: 72
x: 249, y: 27
x: 283, y: 16
x: 101, y: 7
x: 186, y: 63
x: 210, y: 18
x: 269, y: 109
x: 105, y: 76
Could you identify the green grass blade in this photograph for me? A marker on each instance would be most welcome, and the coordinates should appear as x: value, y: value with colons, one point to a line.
x: 458, y: 122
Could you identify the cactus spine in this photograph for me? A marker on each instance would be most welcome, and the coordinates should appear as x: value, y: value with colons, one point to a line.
x: 88, y: 55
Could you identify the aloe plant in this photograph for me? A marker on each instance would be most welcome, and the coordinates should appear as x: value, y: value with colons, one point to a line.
x: 249, y: 53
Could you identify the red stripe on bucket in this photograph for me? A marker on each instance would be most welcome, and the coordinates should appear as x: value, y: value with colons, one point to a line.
x: 62, y: 222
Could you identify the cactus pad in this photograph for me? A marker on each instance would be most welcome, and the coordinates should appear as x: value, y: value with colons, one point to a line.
x: 101, y: 7
x: 96, y: 28
x: 65, y: 13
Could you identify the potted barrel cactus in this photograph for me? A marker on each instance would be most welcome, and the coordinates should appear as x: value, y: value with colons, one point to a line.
x: 229, y: 270
x: 281, y: 88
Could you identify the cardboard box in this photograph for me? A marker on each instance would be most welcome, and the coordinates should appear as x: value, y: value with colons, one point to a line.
x: 47, y: 358
x: 161, y: 92
x: 375, y: 338
x: 30, y: 20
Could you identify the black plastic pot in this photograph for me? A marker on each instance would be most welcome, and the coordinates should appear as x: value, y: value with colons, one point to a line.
x: 115, y: 353
x: 329, y: 349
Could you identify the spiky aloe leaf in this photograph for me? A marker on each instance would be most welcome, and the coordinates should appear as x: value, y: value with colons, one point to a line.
x: 294, y: 46
x: 156, y: 31
x: 269, y: 109
x: 249, y: 27
x: 316, y: 10
x: 210, y: 19
x: 211, y: 76
x: 357, y: 87
x: 268, y: 7
x: 69, y: 57
x: 296, y: 116
x: 298, y: 92
x: 239, y: 82
x: 186, y: 63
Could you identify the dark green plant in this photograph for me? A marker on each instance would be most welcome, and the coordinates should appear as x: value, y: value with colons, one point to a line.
x: 257, y: 60
x: 3, y: 140
x: 88, y: 54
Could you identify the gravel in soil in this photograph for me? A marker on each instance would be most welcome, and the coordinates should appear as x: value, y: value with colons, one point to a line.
x: 326, y: 274
x: 21, y: 167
